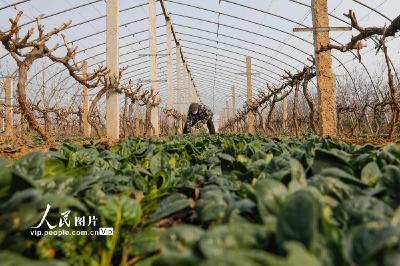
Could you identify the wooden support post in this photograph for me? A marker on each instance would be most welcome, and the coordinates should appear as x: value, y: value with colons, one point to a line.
x: 112, y: 58
x: 9, y: 113
x: 323, y: 60
x: 250, y: 115
x: 153, y: 62
x: 170, y: 102
x: 178, y: 79
x: 85, y: 105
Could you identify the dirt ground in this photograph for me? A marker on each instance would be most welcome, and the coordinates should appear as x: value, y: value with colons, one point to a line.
x: 15, y: 149
x: 372, y: 140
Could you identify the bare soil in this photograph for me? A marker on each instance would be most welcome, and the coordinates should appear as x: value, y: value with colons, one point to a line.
x: 16, y: 148
x: 372, y: 140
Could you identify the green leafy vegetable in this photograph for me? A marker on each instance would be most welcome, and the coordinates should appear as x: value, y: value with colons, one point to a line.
x: 204, y: 200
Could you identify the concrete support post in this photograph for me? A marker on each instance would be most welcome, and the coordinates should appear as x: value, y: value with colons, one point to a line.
x: 189, y: 97
x: 193, y: 90
x: 250, y: 115
x: 192, y: 97
x: 2, y: 110
x: 85, y: 105
x: 24, y: 124
x: 21, y: 125
x: 153, y: 62
x: 184, y: 86
x: 138, y: 130
x: 227, y: 110
x: 285, y: 113
x: 323, y: 60
x: 9, y: 113
x: 233, y: 101
x: 112, y: 58
x: 170, y: 102
x: 196, y: 93
x: 190, y: 90
x: 234, y: 105
x: 178, y: 79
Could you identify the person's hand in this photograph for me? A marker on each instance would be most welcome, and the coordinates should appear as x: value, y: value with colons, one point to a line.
x: 197, y: 123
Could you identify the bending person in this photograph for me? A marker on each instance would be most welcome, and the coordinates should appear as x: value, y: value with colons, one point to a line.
x: 199, y: 113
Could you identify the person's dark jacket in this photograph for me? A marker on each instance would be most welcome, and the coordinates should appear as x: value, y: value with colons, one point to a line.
x: 204, y: 115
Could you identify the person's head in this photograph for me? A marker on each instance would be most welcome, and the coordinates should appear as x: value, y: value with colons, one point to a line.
x: 194, y: 108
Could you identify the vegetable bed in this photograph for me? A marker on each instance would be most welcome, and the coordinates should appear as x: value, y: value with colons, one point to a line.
x: 205, y: 200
